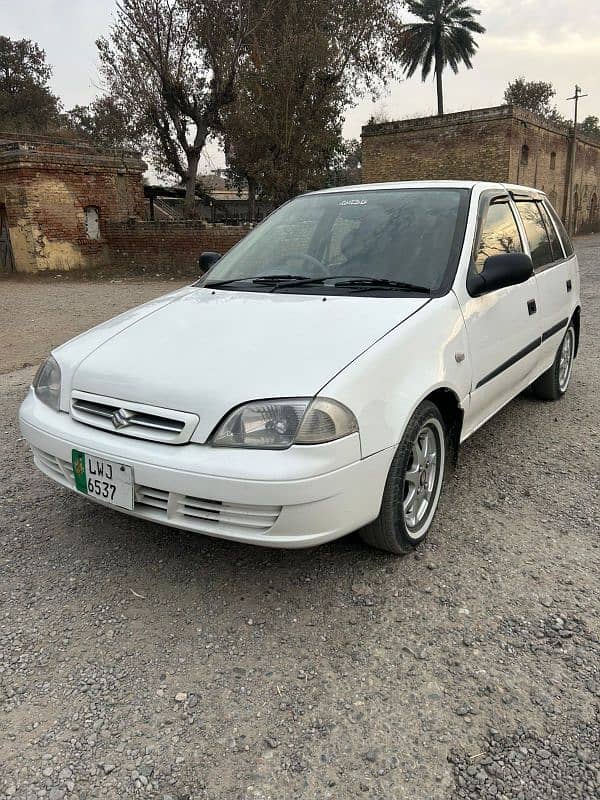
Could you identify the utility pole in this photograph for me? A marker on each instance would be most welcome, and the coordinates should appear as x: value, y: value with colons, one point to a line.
x: 572, y: 160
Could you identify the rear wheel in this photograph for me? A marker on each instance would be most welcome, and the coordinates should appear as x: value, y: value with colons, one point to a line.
x: 553, y: 383
x: 414, y: 484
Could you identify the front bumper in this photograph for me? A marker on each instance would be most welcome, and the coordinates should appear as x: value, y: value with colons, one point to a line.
x: 300, y: 497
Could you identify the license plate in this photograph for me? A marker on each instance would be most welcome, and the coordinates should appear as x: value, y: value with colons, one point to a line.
x: 103, y: 480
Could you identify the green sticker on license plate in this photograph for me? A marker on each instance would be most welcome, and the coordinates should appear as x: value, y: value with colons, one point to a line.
x: 78, y: 461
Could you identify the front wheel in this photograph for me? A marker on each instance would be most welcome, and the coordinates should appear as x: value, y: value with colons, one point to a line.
x: 413, y: 486
x: 553, y: 383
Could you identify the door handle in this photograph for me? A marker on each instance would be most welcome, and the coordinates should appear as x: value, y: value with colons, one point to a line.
x: 569, y: 285
x: 531, y: 307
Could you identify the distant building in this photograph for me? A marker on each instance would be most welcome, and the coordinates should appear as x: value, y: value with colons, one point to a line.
x: 68, y: 205
x: 505, y: 144
x: 216, y: 202
x: 57, y: 199
x: 217, y: 185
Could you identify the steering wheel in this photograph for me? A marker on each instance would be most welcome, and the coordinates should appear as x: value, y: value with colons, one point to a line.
x: 310, y: 261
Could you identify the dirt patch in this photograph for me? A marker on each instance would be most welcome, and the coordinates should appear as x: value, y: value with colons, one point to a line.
x: 37, y: 315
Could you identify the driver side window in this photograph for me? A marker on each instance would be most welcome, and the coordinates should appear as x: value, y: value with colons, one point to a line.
x: 498, y: 234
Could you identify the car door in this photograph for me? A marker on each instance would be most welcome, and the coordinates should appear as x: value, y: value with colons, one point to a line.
x: 502, y: 325
x: 555, y: 268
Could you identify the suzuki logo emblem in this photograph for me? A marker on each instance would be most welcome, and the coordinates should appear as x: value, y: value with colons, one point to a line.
x: 121, y: 418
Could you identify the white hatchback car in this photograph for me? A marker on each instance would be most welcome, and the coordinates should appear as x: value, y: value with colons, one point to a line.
x: 321, y: 375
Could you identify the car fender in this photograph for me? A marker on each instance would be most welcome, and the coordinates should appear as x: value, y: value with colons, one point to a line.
x: 384, y: 385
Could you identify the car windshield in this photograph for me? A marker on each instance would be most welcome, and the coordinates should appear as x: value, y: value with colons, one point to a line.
x: 408, y: 237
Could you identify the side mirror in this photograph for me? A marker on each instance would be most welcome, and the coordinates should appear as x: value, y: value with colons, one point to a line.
x: 206, y: 261
x: 506, y: 269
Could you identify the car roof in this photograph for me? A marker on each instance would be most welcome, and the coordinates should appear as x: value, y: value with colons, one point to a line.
x: 362, y: 187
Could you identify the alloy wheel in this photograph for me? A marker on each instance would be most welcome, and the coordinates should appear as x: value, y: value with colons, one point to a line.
x: 422, y: 478
x: 565, y: 361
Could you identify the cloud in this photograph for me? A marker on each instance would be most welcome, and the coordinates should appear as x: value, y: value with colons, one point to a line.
x: 549, y: 19
x: 533, y: 43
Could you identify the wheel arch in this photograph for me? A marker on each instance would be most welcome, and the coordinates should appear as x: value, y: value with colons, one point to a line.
x: 576, y: 319
x: 448, y: 403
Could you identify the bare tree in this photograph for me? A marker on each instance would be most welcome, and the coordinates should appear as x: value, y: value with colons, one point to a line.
x: 310, y: 60
x: 174, y: 65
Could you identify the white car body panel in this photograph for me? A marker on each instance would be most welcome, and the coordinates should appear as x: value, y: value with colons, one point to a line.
x: 498, y: 326
x: 72, y: 353
x: 204, y: 352
x: 553, y: 309
x: 405, y: 366
x: 271, y: 345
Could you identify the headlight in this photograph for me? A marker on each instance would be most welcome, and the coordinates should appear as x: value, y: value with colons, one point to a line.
x: 278, y: 424
x: 46, y: 383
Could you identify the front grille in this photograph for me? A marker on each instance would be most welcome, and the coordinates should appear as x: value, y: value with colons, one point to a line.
x: 204, y: 516
x: 133, y: 419
x: 151, y: 498
x: 257, y: 518
x: 61, y: 471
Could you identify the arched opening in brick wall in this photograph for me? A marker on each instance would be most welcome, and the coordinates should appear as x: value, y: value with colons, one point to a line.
x: 92, y: 222
x: 525, y: 155
x: 552, y: 160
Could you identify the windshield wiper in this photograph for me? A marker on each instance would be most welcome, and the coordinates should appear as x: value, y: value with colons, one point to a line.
x: 355, y: 282
x: 258, y: 280
x: 365, y: 284
x: 360, y: 284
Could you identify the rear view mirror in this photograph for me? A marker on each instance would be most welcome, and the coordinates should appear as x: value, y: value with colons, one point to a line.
x: 207, y: 260
x: 506, y: 269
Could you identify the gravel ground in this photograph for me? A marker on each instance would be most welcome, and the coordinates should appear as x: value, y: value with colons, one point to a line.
x: 136, y: 661
x: 37, y: 315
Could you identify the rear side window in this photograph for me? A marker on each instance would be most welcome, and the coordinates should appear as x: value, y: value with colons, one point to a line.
x: 567, y: 244
x: 557, y: 250
x: 535, y: 228
x: 499, y: 234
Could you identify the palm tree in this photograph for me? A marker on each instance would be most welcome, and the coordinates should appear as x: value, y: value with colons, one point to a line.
x: 443, y: 38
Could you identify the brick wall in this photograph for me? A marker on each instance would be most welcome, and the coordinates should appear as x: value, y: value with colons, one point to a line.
x: 167, y: 246
x: 465, y: 146
x: 546, y: 163
x: 45, y: 187
x: 487, y: 144
x: 587, y: 188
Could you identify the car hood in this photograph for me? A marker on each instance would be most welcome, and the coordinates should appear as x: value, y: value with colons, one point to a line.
x: 208, y: 351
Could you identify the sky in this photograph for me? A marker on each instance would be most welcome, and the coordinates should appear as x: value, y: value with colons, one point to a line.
x: 551, y: 40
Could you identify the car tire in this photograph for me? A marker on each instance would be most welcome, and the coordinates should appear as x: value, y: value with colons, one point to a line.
x: 553, y: 383
x: 413, y: 486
